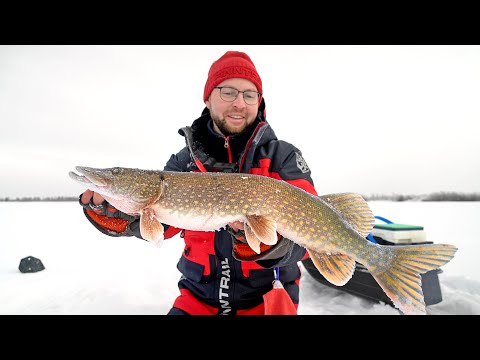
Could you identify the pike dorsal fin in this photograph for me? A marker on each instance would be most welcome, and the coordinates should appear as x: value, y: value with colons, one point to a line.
x: 264, y: 228
x: 336, y: 268
x: 150, y: 228
x: 354, y: 210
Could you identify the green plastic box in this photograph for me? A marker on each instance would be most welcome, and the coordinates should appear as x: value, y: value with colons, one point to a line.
x: 400, y: 234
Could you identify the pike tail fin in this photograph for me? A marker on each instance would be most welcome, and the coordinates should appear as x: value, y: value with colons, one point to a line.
x: 400, y: 278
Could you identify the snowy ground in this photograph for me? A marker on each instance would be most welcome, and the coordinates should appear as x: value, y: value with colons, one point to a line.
x: 90, y: 273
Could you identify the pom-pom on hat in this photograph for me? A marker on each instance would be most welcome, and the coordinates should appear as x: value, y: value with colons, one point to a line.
x: 232, y: 64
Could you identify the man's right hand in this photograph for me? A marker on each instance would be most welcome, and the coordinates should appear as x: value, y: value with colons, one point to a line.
x: 87, y: 196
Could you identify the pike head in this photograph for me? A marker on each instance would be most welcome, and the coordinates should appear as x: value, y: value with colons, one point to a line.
x: 129, y: 190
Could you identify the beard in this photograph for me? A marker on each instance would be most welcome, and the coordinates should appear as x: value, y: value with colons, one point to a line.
x: 227, y: 129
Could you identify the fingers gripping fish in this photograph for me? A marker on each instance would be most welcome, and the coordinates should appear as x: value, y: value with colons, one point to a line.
x: 333, y: 228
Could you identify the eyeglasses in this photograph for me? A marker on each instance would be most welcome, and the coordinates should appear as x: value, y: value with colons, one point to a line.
x: 230, y: 94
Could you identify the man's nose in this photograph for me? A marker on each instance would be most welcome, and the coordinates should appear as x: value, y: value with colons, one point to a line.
x: 239, y: 102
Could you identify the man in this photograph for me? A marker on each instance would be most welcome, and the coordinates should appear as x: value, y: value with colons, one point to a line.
x: 221, y: 273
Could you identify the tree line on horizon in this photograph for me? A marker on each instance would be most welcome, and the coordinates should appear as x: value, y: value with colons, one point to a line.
x: 40, y: 198
x: 434, y: 196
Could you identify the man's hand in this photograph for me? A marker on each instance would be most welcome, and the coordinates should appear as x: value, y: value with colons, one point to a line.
x: 92, y: 201
x: 237, y: 225
x: 237, y: 230
x: 87, y: 196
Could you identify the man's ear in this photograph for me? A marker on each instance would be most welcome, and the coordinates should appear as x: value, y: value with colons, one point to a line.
x: 207, y: 103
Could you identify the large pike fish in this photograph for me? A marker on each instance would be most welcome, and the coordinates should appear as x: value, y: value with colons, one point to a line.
x: 333, y: 228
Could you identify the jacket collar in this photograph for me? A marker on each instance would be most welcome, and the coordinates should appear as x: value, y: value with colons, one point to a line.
x: 204, y: 143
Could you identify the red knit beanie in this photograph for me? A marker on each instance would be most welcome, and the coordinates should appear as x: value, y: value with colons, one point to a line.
x: 233, y: 64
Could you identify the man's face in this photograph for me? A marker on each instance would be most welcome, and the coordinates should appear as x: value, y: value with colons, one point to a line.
x: 232, y: 117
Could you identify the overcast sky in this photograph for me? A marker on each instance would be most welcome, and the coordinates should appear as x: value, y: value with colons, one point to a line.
x: 368, y: 119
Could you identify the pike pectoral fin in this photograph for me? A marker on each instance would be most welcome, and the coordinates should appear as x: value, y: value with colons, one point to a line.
x: 336, y: 268
x: 150, y: 228
x: 252, y: 239
x: 264, y: 228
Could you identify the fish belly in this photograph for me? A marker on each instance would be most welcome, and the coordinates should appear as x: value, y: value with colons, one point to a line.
x: 195, y: 220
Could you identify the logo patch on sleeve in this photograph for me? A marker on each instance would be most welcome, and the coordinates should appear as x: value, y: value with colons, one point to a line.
x: 301, y: 163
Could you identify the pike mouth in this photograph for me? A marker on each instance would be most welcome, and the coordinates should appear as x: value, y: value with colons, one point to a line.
x: 90, y: 176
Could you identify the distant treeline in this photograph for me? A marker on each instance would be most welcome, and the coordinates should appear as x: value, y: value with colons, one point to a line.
x: 435, y: 196
x: 38, y: 198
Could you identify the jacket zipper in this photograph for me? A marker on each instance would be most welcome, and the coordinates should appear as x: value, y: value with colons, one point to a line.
x: 226, y: 145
